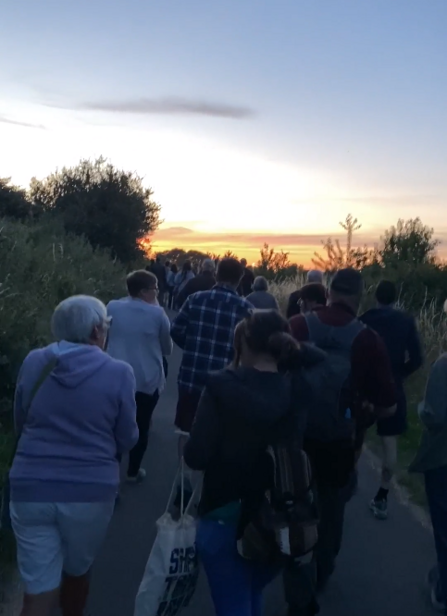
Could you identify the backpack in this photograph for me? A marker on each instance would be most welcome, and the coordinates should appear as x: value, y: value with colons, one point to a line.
x: 330, y: 417
x: 285, y: 525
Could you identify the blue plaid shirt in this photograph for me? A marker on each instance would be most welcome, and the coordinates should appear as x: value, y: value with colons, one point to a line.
x: 204, y: 329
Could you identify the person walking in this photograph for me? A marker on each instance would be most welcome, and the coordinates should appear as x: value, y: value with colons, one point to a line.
x: 170, y: 281
x: 246, y: 283
x: 260, y: 297
x: 358, y: 377
x: 431, y: 461
x: 160, y: 272
x: 399, y: 332
x: 204, y: 281
x: 74, y: 410
x: 240, y: 408
x: 313, y: 297
x: 293, y: 304
x: 181, y: 280
x: 204, y: 330
x: 139, y: 335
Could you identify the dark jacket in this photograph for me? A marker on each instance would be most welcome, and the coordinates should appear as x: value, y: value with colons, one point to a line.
x: 399, y: 332
x: 246, y: 284
x: 202, y: 282
x: 238, y: 412
x: 293, y: 306
x: 160, y: 272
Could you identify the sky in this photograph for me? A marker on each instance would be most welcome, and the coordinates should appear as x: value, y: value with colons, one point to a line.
x: 253, y: 121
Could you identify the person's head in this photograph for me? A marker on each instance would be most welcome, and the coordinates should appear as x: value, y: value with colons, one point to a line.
x: 81, y: 319
x: 230, y: 272
x: 315, y: 276
x: 208, y: 266
x: 244, y: 263
x: 311, y: 296
x: 143, y: 285
x: 386, y: 293
x: 264, y: 335
x: 167, y: 264
x: 174, y: 268
x: 186, y: 267
x: 260, y: 284
x: 158, y: 260
x: 347, y: 288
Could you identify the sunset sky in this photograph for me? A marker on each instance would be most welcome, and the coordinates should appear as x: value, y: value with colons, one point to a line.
x: 252, y: 120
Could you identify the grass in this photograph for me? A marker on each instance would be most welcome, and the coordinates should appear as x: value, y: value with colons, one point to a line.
x: 432, y: 324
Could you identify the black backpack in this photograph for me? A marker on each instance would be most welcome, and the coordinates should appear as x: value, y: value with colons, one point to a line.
x: 285, y: 524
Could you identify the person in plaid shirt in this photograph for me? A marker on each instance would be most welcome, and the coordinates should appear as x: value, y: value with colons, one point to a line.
x: 204, y: 329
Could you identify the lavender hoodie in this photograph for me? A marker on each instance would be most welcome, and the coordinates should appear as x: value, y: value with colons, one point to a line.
x: 82, y: 416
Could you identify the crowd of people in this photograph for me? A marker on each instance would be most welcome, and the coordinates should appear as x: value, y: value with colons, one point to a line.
x: 328, y: 374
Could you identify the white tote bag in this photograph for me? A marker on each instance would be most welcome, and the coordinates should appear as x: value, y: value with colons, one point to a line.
x: 172, y: 571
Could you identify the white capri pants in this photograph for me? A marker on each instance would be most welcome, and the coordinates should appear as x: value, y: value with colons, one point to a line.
x: 53, y: 538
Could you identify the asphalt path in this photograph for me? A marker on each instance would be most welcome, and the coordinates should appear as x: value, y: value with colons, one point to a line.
x: 380, y: 571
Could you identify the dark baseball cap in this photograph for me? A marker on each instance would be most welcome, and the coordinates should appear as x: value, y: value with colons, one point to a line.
x: 347, y: 282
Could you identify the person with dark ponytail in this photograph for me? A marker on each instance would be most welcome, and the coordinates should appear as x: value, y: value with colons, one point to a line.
x: 238, y: 410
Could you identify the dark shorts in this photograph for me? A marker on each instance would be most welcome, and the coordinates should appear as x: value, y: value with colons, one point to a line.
x: 395, y: 425
x: 187, y: 404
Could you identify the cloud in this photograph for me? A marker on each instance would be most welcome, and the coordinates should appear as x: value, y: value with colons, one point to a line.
x: 170, y: 106
x: 5, y: 120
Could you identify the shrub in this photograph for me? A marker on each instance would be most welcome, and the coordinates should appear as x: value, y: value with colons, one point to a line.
x: 39, y: 267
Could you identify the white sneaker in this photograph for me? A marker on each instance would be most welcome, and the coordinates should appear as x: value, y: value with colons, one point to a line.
x: 139, y: 477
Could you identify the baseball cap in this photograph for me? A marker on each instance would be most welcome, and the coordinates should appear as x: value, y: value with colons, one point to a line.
x: 347, y: 282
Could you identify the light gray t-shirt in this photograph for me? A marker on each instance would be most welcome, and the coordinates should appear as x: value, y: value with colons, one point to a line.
x: 140, y: 335
x: 263, y: 300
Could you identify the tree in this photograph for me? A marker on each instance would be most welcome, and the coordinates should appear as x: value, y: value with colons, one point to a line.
x: 108, y: 206
x: 179, y: 256
x: 13, y: 201
x: 410, y: 242
x: 272, y: 263
x: 338, y: 257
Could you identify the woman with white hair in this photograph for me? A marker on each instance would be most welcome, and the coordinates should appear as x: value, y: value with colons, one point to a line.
x: 260, y: 297
x: 75, y: 413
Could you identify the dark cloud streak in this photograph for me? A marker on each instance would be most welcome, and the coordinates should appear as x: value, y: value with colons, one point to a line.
x: 5, y: 120
x: 171, y: 106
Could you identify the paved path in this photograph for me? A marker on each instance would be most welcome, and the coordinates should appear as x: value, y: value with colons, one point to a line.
x: 380, y: 571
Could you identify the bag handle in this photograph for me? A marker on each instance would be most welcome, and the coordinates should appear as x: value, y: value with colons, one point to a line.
x: 181, y: 474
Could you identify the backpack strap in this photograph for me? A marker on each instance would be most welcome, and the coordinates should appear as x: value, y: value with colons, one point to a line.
x: 326, y: 336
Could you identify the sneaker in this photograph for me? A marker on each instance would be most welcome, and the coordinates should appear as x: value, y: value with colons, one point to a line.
x: 379, y: 509
x: 139, y: 477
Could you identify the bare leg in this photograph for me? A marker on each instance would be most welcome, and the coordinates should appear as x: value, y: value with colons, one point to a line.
x: 389, y: 459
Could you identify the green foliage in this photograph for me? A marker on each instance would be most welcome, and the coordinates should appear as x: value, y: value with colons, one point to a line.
x: 108, y: 206
x: 275, y: 265
x: 40, y: 265
x: 13, y: 201
x: 410, y: 242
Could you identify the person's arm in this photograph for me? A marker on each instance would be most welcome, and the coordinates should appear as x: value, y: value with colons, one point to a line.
x: 179, y: 326
x: 414, y: 350
x: 126, y: 429
x: 433, y: 410
x: 165, y: 335
x: 203, y: 442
